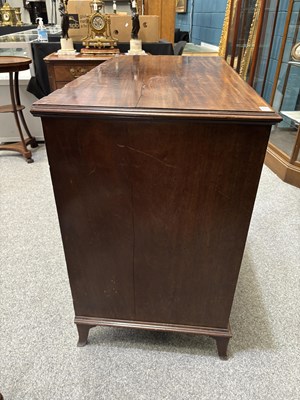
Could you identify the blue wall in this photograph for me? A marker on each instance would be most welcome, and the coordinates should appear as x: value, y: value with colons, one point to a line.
x: 207, y: 20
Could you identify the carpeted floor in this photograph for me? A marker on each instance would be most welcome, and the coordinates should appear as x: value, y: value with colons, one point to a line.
x: 38, y: 354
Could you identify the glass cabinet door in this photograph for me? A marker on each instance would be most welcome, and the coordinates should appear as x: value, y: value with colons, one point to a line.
x: 287, y: 95
x: 257, y: 41
x: 285, y: 138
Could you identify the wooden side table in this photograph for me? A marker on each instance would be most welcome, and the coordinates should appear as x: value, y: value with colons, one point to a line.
x: 64, y: 69
x: 13, y: 65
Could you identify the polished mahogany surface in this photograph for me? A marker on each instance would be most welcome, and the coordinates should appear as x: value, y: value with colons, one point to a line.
x: 155, y: 163
x: 161, y: 85
x: 12, y: 63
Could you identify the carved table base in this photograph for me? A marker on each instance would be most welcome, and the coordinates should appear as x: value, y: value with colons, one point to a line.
x: 21, y: 148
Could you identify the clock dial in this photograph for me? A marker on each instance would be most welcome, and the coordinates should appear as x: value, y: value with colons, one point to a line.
x: 6, y: 16
x: 98, y: 23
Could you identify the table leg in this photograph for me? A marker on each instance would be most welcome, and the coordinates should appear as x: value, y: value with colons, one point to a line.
x: 31, y: 140
x: 20, y: 147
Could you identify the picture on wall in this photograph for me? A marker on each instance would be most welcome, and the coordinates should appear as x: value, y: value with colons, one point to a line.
x: 181, y: 6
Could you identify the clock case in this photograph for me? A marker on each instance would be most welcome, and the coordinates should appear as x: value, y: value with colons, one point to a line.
x: 10, y: 16
x: 99, y: 38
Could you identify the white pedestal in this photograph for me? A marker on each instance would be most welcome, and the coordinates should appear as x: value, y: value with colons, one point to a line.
x: 136, y: 48
x: 66, y: 47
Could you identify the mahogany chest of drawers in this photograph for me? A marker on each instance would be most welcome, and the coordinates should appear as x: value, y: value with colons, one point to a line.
x: 155, y: 163
x: 64, y: 69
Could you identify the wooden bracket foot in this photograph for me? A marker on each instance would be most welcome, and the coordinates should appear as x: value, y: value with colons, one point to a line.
x: 222, y: 345
x: 83, y: 332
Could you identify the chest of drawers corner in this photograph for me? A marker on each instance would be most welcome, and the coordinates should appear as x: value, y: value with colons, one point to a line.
x: 64, y: 69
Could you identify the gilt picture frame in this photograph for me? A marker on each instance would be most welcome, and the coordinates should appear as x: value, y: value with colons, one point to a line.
x: 181, y: 6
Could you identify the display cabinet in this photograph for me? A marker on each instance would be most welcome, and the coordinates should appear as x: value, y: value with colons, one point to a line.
x: 257, y: 41
x: 241, y: 35
x: 283, y: 150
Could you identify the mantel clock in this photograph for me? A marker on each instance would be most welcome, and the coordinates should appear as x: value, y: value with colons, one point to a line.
x: 7, y: 15
x: 99, y: 36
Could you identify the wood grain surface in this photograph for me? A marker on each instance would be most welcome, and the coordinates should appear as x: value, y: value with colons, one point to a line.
x: 160, y: 85
x: 154, y: 216
x: 12, y: 63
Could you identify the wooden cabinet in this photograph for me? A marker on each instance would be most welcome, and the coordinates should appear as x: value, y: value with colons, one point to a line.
x: 155, y: 167
x: 166, y: 11
x: 64, y: 69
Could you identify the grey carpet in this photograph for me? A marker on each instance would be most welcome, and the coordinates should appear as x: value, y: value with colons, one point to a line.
x: 38, y: 354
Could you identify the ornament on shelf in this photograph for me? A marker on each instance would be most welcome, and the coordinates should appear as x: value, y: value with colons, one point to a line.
x: 135, y: 42
x: 99, y: 39
x: 66, y: 43
x: 10, y: 16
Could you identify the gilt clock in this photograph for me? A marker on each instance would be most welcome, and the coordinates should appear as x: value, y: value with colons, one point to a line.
x: 99, y: 35
x: 7, y: 15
